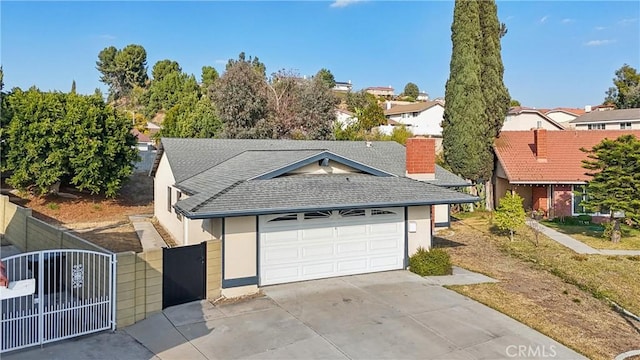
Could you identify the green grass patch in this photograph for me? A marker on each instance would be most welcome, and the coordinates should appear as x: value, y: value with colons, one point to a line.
x: 53, y: 206
x: 591, y: 234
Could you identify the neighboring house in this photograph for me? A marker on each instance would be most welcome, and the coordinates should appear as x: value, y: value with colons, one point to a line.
x: 343, y: 86
x: 545, y: 167
x: 522, y: 118
x: 421, y: 118
x: 145, y: 143
x: 564, y: 115
x: 423, y: 96
x: 384, y: 91
x: 289, y: 210
x: 623, y: 119
x: 345, y: 118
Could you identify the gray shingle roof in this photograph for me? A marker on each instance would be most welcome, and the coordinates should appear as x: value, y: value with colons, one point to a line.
x: 308, y: 192
x: 607, y: 115
x: 218, y: 173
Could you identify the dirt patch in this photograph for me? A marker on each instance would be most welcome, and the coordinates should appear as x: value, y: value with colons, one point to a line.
x: 235, y: 300
x: 164, y: 234
x: 530, y: 293
x: 102, y: 221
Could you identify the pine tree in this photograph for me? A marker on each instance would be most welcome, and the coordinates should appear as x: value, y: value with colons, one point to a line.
x: 464, y: 127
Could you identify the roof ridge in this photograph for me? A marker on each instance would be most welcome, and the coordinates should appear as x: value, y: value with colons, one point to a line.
x: 217, y: 195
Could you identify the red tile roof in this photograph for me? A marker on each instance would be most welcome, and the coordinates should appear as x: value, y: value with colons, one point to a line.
x: 516, y: 153
x: 140, y: 136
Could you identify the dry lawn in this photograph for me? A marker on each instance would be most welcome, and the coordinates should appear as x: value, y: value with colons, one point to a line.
x: 549, y: 288
x: 590, y: 235
x: 102, y: 221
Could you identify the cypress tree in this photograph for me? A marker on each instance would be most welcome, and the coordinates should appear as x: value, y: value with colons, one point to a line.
x: 464, y: 127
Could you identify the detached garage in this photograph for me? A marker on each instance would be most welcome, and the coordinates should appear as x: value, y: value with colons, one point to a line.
x: 290, y: 211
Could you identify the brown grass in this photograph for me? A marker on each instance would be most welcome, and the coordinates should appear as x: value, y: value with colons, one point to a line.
x: 588, y: 235
x: 533, y: 287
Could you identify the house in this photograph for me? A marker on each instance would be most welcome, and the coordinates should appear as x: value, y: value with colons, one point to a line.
x: 421, y: 118
x: 345, y: 118
x: 523, y: 118
x: 342, y: 86
x: 145, y: 143
x: 384, y: 91
x: 422, y: 96
x: 564, y: 115
x: 623, y: 119
x: 288, y: 210
x: 545, y: 167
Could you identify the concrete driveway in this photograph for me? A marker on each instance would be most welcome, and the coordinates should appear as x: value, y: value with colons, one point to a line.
x: 391, y: 315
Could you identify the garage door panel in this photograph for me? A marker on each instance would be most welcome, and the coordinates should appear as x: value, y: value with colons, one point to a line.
x: 335, y: 246
x: 351, y: 247
x: 321, y: 251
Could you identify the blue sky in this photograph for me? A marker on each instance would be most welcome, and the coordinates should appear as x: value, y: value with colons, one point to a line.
x: 556, y: 53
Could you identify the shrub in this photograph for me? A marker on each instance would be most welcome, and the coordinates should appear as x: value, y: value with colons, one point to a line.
x: 584, y: 219
x: 430, y: 263
x: 53, y: 206
x: 510, y: 214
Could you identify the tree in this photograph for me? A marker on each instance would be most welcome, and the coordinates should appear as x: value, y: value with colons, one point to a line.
x: 465, y: 127
x: 73, y: 87
x: 614, y: 168
x: 169, y: 90
x: 55, y: 138
x: 208, y: 78
x: 1, y: 79
x: 122, y: 69
x: 626, y: 93
x: 326, y: 77
x: 163, y: 68
x: 191, y: 118
x: 510, y: 214
x: 411, y: 90
x: 514, y: 103
x: 255, y: 63
x: 241, y: 100
x: 317, y: 110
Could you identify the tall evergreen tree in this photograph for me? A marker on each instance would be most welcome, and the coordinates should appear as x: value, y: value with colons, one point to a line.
x: 464, y: 127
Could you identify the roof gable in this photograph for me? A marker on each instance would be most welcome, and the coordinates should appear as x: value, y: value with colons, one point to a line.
x: 520, y: 110
x: 415, y: 107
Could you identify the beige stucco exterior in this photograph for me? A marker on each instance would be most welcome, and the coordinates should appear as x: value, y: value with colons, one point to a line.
x: 441, y: 214
x: 240, y: 248
x: 169, y: 220
x: 421, y: 216
x: 527, y: 121
x: 610, y: 125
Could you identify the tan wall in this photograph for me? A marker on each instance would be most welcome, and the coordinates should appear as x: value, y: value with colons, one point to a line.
x: 169, y: 220
x: 441, y: 213
x: 214, y: 269
x: 502, y: 186
x: 138, y: 286
x: 197, y: 231
x: 421, y: 215
x: 560, y: 116
x: 240, y: 247
x: 30, y: 234
x: 333, y: 168
x: 526, y: 121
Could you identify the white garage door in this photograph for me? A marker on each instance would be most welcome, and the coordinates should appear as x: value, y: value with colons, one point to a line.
x: 321, y: 244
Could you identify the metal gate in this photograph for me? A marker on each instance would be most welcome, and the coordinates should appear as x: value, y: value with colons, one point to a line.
x: 56, y: 294
x: 183, y: 274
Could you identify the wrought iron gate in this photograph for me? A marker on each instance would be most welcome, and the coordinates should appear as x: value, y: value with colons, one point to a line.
x: 74, y: 295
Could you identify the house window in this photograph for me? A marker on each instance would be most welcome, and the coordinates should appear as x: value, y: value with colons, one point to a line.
x: 178, y: 197
x: 169, y: 198
x: 579, y: 195
x: 375, y: 212
x: 317, y: 215
x: 415, y: 114
x: 596, y: 127
x: 351, y: 213
x: 625, y: 126
x: 406, y: 115
x: 287, y: 217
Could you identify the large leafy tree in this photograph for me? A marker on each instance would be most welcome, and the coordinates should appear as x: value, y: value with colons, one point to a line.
x: 465, y: 126
x: 254, y: 62
x: 122, y: 69
x: 191, y: 118
x: 614, y: 168
x: 55, y: 138
x: 169, y: 88
x: 241, y: 98
x: 327, y: 77
x: 411, y: 90
x: 626, y: 92
x: 163, y: 68
x: 317, y: 110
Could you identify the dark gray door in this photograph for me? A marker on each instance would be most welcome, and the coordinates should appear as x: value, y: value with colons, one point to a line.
x: 183, y: 274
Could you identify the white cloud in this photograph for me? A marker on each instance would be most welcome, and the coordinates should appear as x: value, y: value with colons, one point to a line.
x: 627, y: 21
x: 599, y: 42
x: 567, y: 21
x: 600, y: 28
x: 343, y: 3
x: 544, y: 19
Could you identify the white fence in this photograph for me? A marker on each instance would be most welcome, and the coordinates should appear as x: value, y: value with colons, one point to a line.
x: 55, y: 295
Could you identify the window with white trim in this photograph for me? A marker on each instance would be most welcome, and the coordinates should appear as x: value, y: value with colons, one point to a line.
x: 578, y: 195
x: 625, y: 126
x: 596, y: 127
x: 287, y: 217
x: 169, y: 198
x: 352, y: 213
x: 375, y: 212
x: 317, y: 215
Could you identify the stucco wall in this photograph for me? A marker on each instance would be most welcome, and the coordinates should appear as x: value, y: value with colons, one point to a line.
x: 421, y: 216
x: 525, y: 191
x: 169, y: 220
x: 441, y: 214
x: 240, y: 251
x: 560, y: 116
x: 526, y: 121
x: 502, y: 186
x: 611, y: 125
x: 197, y: 231
x: 426, y: 123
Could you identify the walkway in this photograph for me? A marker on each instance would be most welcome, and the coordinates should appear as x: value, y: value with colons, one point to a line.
x: 149, y: 236
x: 578, y: 246
x: 460, y: 276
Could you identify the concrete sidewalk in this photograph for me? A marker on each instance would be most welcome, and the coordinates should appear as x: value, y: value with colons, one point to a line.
x: 149, y: 237
x: 578, y: 246
x: 460, y: 276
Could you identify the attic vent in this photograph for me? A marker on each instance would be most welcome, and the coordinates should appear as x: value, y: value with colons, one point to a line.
x: 324, y: 162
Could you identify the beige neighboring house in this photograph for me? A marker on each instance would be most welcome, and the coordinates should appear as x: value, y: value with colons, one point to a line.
x: 342, y: 86
x: 384, y: 91
x: 295, y: 210
x: 564, y: 115
x: 623, y: 119
x: 423, y: 96
x: 345, y: 118
x: 523, y: 118
x: 421, y: 118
